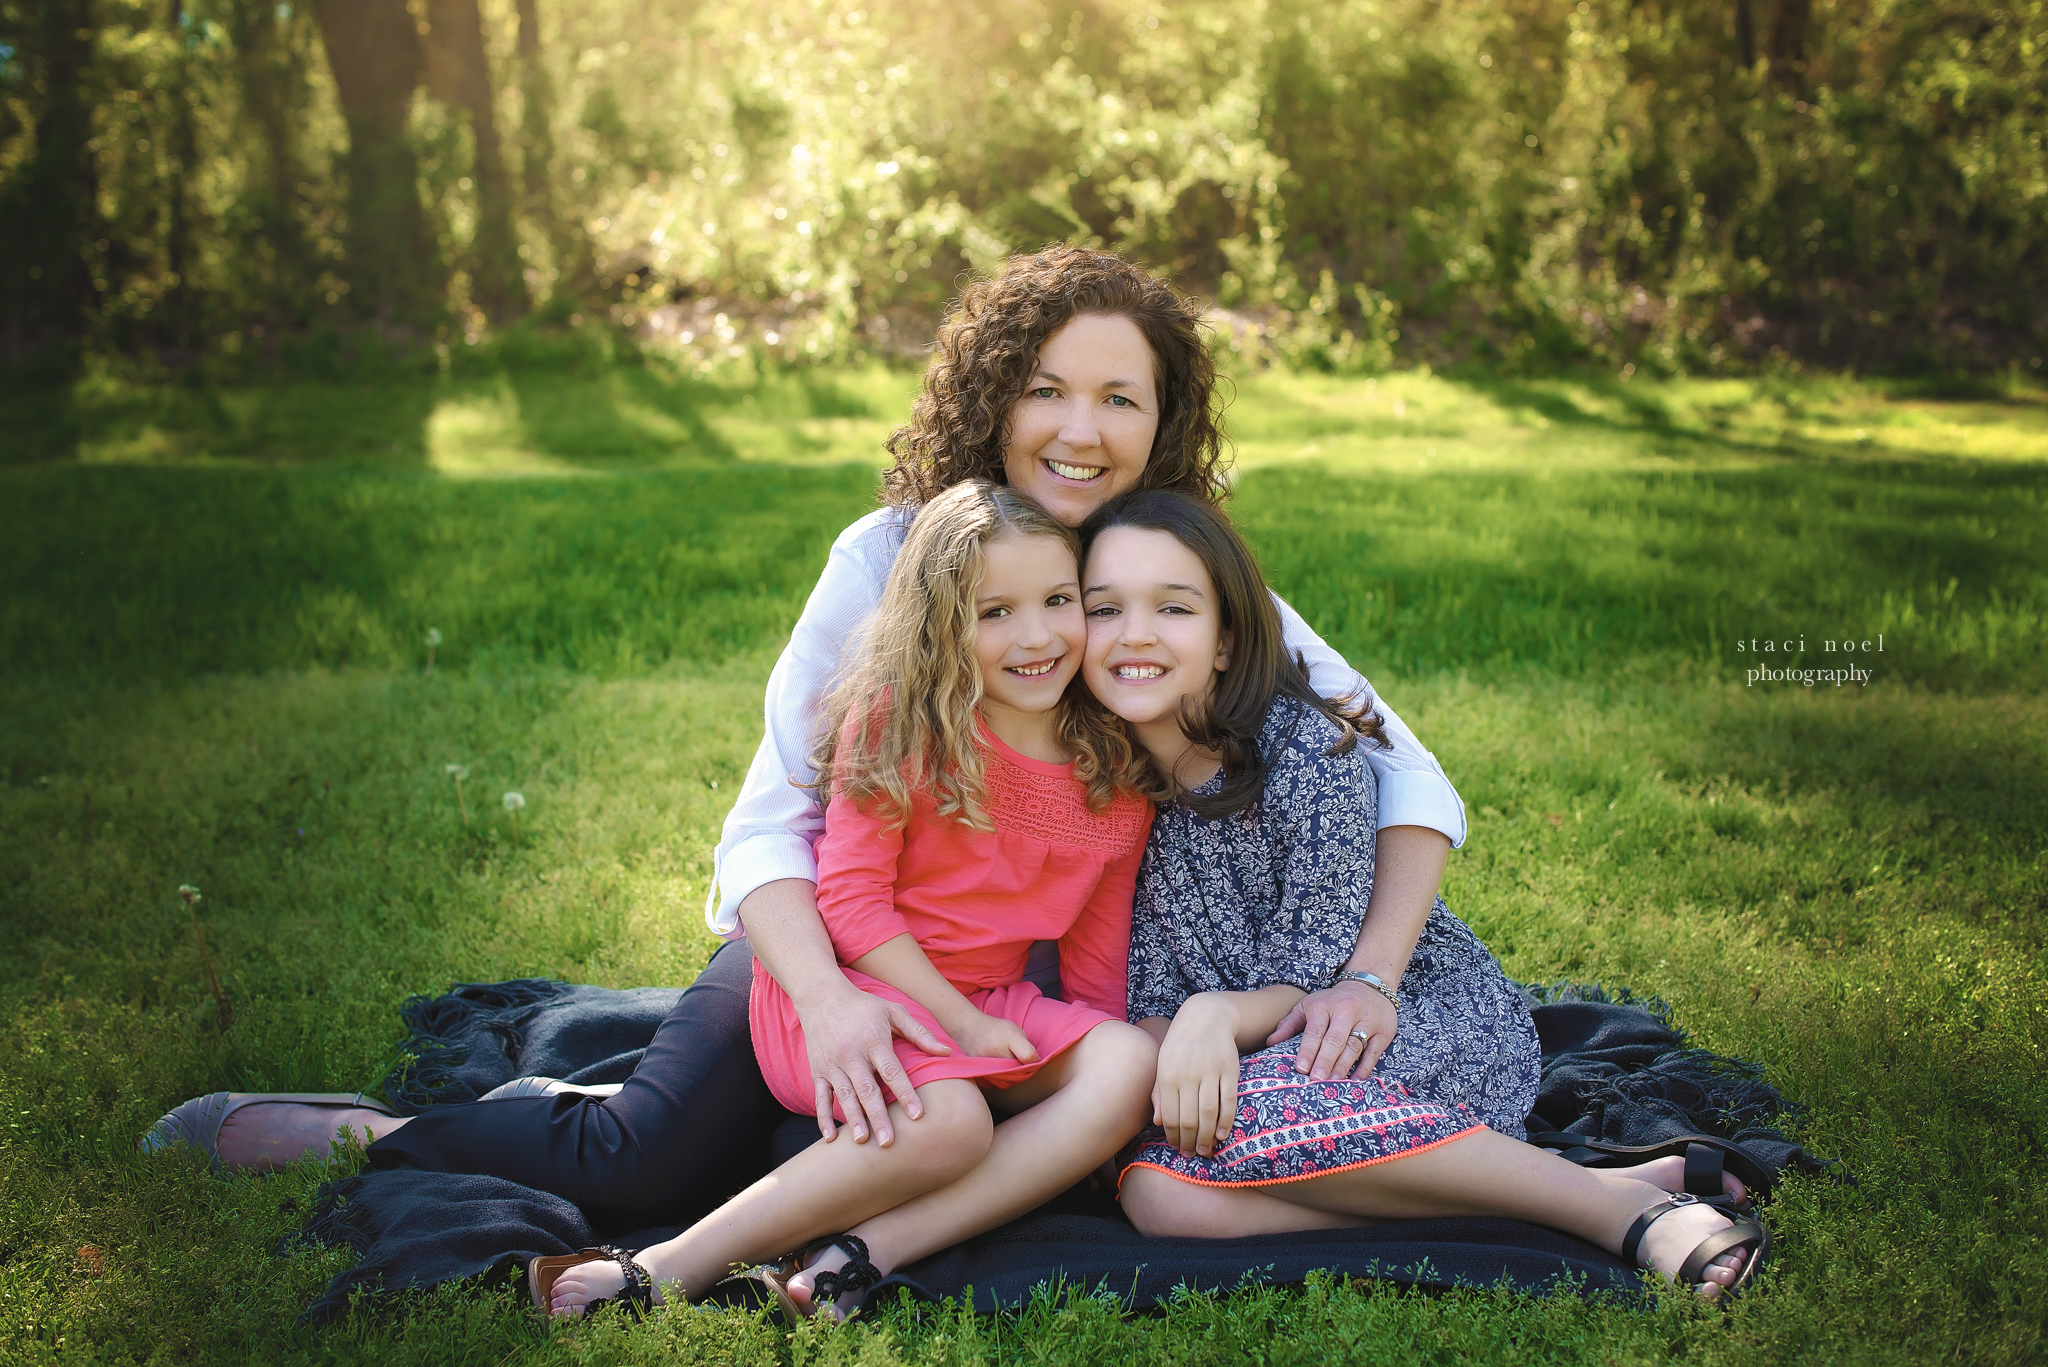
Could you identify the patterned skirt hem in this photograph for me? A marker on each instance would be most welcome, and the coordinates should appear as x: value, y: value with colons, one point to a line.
x: 1296, y: 1177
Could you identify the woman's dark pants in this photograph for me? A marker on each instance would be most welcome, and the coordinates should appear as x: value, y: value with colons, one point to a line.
x: 693, y: 1125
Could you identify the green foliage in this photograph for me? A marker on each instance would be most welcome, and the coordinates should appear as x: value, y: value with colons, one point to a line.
x: 1678, y: 186
x: 1846, y: 885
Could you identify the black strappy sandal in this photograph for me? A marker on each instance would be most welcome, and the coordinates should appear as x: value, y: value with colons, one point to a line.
x: 1706, y: 1158
x: 637, y: 1295
x: 1743, y: 1233
x: 859, y: 1274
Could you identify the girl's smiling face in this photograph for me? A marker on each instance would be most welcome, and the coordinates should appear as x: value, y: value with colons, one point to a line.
x: 1083, y: 430
x: 1155, y: 633
x: 1028, y: 628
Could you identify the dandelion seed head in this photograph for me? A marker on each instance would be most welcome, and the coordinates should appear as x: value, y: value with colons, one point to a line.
x: 188, y: 892
x: 458, y: 771
x: 433, y: 636
x: 514, y: 801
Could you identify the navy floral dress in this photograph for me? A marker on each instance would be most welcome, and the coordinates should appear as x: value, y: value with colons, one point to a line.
x: 1276, y: 894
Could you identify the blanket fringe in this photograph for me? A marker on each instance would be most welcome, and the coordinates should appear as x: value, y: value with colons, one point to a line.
x: 437, y: 1043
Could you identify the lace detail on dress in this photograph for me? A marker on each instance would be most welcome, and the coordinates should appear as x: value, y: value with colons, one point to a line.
x: 1054, y: 808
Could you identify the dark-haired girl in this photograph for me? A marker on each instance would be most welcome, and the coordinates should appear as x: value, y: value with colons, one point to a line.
x: 1072, y: 376
x: 1257, y: 888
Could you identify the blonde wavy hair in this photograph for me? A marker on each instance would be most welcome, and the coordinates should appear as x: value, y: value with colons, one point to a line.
x: 901, y: 720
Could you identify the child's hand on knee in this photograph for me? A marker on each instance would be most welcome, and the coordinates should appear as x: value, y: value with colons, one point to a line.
x: 985, y: 1036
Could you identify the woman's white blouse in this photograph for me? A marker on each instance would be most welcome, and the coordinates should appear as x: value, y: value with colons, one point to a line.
x: 770, y: 830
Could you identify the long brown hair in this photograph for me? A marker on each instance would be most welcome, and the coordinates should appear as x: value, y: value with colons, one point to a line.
x: 1260, y: 667
x: 901, y: 721
x: 986, y: 352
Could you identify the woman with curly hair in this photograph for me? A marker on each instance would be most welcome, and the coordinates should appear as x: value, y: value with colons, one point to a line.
x: 1071, y: 376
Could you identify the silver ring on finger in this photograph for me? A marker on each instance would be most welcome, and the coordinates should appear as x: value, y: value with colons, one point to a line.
x: 1362, y: 1036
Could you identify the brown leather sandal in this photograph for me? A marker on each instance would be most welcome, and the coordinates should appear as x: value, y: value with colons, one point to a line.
x: 637, y: 1295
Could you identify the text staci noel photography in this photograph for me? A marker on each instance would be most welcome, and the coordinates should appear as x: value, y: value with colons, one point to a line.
x: 1782, y: 659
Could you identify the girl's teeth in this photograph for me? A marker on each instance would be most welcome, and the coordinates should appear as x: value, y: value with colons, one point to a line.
x: 1139, y: 672
x: 1034, y: 671
x: 1074, y: 471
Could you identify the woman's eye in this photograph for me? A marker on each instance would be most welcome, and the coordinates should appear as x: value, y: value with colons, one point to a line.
x: 1045, y: 392
x: 1120, y: 401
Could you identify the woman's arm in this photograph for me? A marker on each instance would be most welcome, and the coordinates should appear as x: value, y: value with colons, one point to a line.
x: 1409, y: 869
x: 849, y: 1035
x: 1413, y: 790
x: 765, y: 873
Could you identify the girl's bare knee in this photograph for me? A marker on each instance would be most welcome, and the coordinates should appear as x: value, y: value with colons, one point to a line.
x: 1121, y: 1062
x: 955, y: 1131
x: 1162, y: 1207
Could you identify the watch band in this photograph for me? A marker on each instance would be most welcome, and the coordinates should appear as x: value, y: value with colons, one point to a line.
x: 1376, y: 983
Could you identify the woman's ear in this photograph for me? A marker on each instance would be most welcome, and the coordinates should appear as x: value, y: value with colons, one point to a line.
x: 1224, y: 644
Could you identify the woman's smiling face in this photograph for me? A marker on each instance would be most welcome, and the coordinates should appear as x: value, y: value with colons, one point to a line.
x: 1155, y: 630
x: 1083, y: 430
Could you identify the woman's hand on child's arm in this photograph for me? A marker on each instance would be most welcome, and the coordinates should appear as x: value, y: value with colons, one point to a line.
x: 849, y: 1035
x: 1410, y: 868
x: 1331, y: 1022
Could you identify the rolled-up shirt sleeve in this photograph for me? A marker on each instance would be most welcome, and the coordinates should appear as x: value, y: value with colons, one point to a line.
x: 772, y: 830
x: 1413, y: 789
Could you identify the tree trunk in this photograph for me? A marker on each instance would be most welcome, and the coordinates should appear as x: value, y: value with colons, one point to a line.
x: 269, y: 81
x: 176, y: 321
x: 1785, y: 44
x: 576, y: 269
x: 47, y: 293
x: 1745, y: 35
x: 459, y: 73
x: 393, y: 269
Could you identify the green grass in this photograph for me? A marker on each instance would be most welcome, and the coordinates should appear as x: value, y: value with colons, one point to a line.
x: 212, y: 671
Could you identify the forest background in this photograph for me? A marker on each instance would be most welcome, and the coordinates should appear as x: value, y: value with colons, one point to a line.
x: 231, y: 186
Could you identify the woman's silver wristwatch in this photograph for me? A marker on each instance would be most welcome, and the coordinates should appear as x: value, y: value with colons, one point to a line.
x: 1376, y: 983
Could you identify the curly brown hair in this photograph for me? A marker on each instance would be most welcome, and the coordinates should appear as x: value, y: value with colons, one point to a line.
x: 987, y: 351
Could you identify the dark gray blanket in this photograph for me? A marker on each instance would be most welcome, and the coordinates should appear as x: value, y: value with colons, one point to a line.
x: 1614, y: 1069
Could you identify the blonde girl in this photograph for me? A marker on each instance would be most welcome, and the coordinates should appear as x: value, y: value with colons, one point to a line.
x: 975, y: 809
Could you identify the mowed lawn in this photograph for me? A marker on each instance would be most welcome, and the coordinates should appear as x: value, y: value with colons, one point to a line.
x: 214, y: 609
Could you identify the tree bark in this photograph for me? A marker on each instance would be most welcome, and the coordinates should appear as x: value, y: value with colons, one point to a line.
x: 176, y: 321
x: 575, y: 266
x: 459, y: 73
x: 373, y: 49
x: 47, y: 294
x: 269, y: 79
x: 1745, y: 35
x: 1785, y: 43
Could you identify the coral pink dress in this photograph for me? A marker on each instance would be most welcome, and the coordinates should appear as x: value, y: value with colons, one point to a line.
x: 976, y: 901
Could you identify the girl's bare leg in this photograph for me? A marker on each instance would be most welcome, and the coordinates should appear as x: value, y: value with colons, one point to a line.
x: 1073, y: 1114
x: 826, y: 1189
x: 1479, y: 1173
x: 272, y: 1134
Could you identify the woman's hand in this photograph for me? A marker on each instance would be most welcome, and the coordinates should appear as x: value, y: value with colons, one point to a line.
x: 984, y: 1036
x: 1329, y: 1023
x: 1194, y: 1096
x: 850, y: 1038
